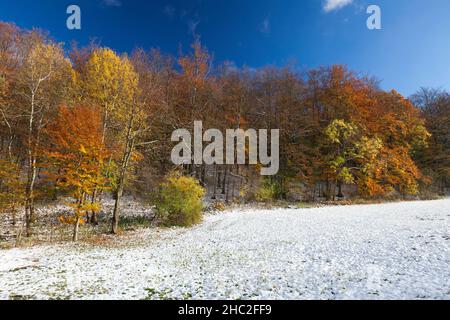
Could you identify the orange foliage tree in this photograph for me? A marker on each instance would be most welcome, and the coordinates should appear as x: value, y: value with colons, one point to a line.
x: 77, y: 158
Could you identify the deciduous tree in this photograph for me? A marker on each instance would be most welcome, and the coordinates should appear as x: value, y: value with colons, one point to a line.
x: 77, y: 159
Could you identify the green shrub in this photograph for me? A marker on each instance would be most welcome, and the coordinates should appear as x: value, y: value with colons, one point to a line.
x: 179, y: 201
x: 269, y: 191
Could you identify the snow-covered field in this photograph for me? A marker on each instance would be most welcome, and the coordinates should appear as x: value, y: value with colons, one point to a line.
x: 389, y: 251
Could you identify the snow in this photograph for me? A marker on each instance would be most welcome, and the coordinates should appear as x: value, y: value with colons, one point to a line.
x: 386, y: 251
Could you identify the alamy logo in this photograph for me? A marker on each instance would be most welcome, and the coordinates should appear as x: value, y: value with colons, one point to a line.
x: 74, y: 20
x: 234, y: 151
x: 374, y: 20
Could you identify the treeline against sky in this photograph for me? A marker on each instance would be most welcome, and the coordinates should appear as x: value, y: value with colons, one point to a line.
x: 93, y: 122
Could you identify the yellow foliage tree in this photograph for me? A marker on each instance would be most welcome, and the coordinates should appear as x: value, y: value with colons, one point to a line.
x: 42, y: 82
x: 112, y: 83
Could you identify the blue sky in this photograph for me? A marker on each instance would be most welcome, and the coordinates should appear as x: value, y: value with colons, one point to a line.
x: 411, y: 50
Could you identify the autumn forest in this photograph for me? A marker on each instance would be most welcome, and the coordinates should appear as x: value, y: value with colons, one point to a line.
x: 82, y: 125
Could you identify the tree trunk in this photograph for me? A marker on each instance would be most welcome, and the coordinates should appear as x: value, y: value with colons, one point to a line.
x: 328, y: 191
x: 14, y: 218
x: 29, y: 213
x: 233, y: 187
x: 203, y: 175
x: 227, y: 188
x: 116, y: 213
x: 76, y: 229
x: 224, y: 180
x: 94, y: 219
x: 214, y: 197
x: 31, y: 174
x: 219, y: 179
x: 119, y: 194
x: 340, y: 194
x: 123, y: 170
x: 334, y: 190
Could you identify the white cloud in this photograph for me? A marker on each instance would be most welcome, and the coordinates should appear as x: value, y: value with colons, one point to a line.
x: 112, y: 3
x: 330, y: 5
